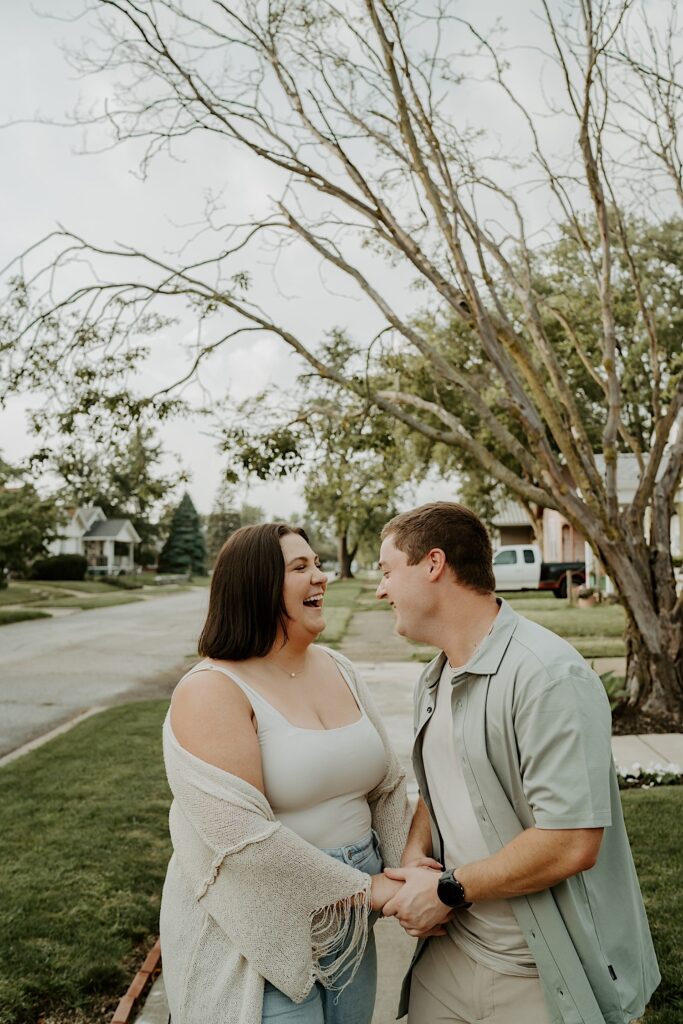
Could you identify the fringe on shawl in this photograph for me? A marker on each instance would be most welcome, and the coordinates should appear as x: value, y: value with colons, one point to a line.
x: 341, y: 931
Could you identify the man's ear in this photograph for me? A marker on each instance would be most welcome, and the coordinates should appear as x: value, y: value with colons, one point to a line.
x: 437, y: 563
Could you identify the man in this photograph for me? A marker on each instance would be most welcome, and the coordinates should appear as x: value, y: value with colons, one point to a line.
x: 537, y: 916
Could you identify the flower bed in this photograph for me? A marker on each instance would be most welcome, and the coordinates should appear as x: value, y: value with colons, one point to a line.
x: 639, y: 777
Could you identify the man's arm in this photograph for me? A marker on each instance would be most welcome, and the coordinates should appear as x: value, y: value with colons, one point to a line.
x: 536, y: 859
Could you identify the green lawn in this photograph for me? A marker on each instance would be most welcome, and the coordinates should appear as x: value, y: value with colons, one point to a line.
x: 83, y: 851
x: 341, y: 601
x: 653, y: 818
x: 102, y: 600
x: 82, y: 586
x: 83, y: 594
x: 20, y: 615
x: 21, y: 593
x: 83, y: 854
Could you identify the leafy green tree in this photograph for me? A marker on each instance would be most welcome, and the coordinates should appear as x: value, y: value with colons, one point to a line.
x: 353, y: 465
x: 221, y: 522
x: 184, y: 550
x: 27, y: 522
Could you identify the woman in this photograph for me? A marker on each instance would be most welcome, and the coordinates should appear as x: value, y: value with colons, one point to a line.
x: 287, y: 796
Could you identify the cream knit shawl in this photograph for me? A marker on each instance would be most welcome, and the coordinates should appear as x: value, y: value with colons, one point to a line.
x: 246, y: 899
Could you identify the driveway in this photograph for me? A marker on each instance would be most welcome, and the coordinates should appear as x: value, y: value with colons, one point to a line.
x: 52, y: 671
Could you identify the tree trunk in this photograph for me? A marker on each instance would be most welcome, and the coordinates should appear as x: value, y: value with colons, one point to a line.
x: 654, y: 681
x: 654, y: 631
x: 345, y: 557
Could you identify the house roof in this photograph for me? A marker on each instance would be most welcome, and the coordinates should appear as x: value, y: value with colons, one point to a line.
x: 89, y: 513
x: 628, y: 474
x: 112, y: 529
x: 511, y: 514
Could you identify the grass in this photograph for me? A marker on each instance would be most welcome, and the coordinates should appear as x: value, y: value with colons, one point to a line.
x: 82, y: 586
x: 341, y: 602
x: 106, y: 600
x: 653, y: 818
x: 599, y: 647
x: 596, y: 632
x: 83, y: 852
x: 20, y: 615
x: 20, y: 593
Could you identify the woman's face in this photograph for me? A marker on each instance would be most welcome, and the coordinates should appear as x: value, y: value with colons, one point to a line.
x: 304, y: 587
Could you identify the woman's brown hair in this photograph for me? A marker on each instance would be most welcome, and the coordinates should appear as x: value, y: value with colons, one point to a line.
x: 245, y: 603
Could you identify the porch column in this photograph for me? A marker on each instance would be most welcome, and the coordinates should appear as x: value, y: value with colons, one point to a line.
x: 109, y: 554
x: 131, y: 555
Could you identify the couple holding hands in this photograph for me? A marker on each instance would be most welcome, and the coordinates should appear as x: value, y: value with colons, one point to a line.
x: 291, y: 829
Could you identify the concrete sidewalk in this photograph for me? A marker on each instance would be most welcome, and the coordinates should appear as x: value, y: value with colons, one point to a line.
x: 392, y: 684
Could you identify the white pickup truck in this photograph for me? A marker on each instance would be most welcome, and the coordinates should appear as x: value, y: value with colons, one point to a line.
x: 520, y: 567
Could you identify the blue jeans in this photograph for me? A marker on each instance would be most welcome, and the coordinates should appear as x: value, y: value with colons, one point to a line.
x: 355, y: 1003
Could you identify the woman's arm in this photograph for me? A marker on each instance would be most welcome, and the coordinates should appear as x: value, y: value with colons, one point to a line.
x: 213, y: 719
x: 418, y: 850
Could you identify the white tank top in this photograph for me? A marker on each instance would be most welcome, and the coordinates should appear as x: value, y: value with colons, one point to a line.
x: 316, y: 780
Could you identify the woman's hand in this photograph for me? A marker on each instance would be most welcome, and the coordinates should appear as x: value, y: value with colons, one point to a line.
x: 383, y: 889
x: 419, y: 860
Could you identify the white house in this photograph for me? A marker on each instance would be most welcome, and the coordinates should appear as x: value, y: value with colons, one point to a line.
x: 628, y: 475
x: 107, y: 544
x: 562, y: 543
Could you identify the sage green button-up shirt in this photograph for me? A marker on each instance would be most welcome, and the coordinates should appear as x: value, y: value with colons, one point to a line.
x: 532, y: 725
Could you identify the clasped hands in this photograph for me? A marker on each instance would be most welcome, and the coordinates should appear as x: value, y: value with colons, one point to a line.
x: 414, y: 902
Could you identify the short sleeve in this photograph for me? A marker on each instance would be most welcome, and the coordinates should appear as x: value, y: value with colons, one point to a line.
x: 563, y: 731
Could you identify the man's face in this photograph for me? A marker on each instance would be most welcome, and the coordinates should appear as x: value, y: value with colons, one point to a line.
x: 406, y: 588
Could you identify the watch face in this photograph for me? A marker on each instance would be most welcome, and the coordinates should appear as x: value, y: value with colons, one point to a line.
x: 451, y: 892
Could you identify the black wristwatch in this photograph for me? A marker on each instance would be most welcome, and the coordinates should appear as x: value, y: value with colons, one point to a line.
x: 451, y: 892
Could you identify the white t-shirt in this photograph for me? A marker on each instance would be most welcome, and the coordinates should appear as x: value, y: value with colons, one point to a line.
x: 487, y: 931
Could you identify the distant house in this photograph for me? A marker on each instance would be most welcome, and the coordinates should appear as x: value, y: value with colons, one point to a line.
x: 563, y: 543
x: 512, y: 526
x: 107, y: 544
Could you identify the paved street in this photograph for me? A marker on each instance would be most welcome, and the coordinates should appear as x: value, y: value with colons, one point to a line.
x: 52, y: 671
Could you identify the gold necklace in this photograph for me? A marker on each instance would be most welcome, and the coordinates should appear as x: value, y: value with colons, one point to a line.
x: 292, y: 675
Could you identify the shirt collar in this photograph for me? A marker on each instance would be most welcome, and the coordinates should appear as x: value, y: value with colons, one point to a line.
x: 487, y: 658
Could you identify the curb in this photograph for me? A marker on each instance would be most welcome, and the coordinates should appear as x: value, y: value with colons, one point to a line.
x: 33, y: 744
x: 138, y: 985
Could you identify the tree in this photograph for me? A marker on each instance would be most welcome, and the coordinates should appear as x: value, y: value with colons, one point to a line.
x: 352, y: 465
x: 358, y: 107
x: 221, y: 522
x: 184, y: 550
x: 27, y: 522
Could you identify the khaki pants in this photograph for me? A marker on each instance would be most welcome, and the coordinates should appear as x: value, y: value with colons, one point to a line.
x: 448, y: 987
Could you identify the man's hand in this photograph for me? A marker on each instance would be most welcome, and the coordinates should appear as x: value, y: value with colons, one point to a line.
x: 416, y: 905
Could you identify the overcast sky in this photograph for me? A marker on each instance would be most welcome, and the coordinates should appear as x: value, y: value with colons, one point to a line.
x: 44, y: 181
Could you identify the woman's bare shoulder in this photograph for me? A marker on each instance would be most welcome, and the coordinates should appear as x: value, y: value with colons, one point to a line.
x: 206, y: 685
x: 212, y: 718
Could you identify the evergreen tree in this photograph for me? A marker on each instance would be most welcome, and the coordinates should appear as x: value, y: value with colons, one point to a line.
x: 184, y: 550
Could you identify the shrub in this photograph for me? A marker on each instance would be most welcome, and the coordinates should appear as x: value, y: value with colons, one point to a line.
x: 60, y: 567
